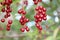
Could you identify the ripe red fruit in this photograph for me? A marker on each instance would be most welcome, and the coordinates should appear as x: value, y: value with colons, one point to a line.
x: 9, y: 21
x: 8, y: 28
x: 35, y: 2
x: 22, y: 29
x: 44, y: 9
x: 5, y: 16
x: 8, y: 25
x: 44, y: 18
x: 3, y: 10
x: 27, y: 29
x: 20, y: 11
x: 36, y: 21
x: 10, y: 1
x: 37, y: 8
x: 2, y: 20
x: 8, y: 14
x: 8, y: 7
x: 23, y: 12
x: 41, y: 7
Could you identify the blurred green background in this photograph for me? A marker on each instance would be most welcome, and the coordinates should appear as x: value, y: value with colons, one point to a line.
x: 51, y: 27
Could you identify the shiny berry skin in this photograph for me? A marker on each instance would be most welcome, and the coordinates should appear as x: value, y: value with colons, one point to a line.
x: 8, y: 29
x: 23, y: 12
x: 8, y: 7
x: 44, y: 18
x: 5, y: 16
x: 22, y: 29
x: 20, y: 11
x: 36, y: 21
x: 3, y: 10
x: 27, y: 29
x: 8, y: 14
x: 9, y: 21
x: 3, y: 20
x: 44, y: 9
x: 10, y: 1
x: 8, y: 25
x: 35, y: 2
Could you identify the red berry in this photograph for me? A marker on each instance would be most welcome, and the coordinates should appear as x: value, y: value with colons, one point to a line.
x: 3, y: 10
x: 8, y: 14
x: 44, y: 9
x: 22, y: 29
x: 41, y: 7
x: 5, y: 16
x: 8, y: 7
x: 23, y: 12
x: 8, y: 29
x: 2, y: 20
x: 37, y: 8
x: 44, y: 18
x: 9, y: 21
x: 35, y: 2
x: 8, y: 25
x: 36, y: 21
x: 20, y: 11
x: 27, y: 29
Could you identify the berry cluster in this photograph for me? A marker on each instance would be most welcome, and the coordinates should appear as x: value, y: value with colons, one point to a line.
x: 9, y: 25
x: 25, y: 28
x: 40, y: 15
x: 37, y: 1
x: 7, y: 9
x: 23, y: 20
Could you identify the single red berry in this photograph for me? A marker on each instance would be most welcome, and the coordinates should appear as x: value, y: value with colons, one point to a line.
x: 3, y: 10
x: 8, y: 14
x: 40, y: 28
x: 37, y: 8
x: 5, y: 16
x: 8, y: 28
x: 8, y: 7
x: 8, y: 25
x: 2, y: 20
x: 44, y: 18
x: 44, y: 9
x: 41, y: 7
x: 20, y: 11
x: 22, y: 29
x: 10, y: 1
x: 40, y: 19
x: 24, y: 12
x: 36, y: 21
x: 36, y: 16
x: 27, y: 29
x: 35, y: 2
x: 9, y: 21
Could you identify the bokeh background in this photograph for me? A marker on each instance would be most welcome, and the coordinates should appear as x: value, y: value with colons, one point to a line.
x: 51, y: 27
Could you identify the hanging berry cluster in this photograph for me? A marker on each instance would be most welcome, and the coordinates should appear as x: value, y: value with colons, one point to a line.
x: 37, y: 1
x: 39, y: 16
x: 23, y: 20
x: 7, y: 9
